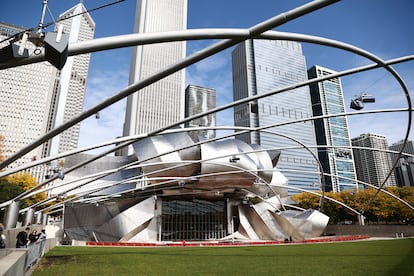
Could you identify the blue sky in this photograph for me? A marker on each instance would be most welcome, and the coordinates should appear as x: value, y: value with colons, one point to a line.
x: 382, y: 27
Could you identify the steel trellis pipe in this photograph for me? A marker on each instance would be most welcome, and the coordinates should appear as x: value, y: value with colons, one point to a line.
x: 217, y: 47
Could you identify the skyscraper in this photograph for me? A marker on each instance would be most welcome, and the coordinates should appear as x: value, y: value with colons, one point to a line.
x: 161, y: 103
x: 404, y: 172
x: 260, y: 66
x: 336, y: 158
x: 25, y: 96
x: 70, y: 84
x: 372, y: 164
x: 197, y: 100
x: 36, y: 98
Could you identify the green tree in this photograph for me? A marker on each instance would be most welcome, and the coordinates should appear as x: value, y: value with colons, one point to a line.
x: 1, y: 148
x: 26, y: 182
x: 306, y: 200
x: 9, y: 191
x: 382, y: 209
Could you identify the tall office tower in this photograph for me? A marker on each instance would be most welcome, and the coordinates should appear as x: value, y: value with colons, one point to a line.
x: 161, y: 103
x: 197, y: 100
x: 372, y: 164
x: 260, y: 66
x: 25, y: 95
x: 70, y: 82
x: 332, y: 134
x: 404, y: 172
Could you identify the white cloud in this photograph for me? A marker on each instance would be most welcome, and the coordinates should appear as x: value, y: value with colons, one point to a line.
x: 100, y: 86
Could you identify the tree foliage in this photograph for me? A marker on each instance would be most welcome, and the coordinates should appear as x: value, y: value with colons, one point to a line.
x: 1, y: 148
x: 26, y: 182
x: 383, y: 209
x: 13, y: 185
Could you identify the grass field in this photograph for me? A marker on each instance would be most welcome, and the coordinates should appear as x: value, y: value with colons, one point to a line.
x: 379, y: 257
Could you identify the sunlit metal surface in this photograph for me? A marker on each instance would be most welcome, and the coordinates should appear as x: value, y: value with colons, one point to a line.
x: 217, y: 170
x: 224, y: 170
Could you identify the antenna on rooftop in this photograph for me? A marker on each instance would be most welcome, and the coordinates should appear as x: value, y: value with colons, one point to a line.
x: 42, y: 18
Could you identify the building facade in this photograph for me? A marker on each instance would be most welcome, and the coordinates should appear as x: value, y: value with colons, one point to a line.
x: 260, y: 66
x: 372, y: 162
x: 38, y: 97
x: 332, y: 134
x: 25, y: 97
x: 197, y: 100
x: 70, y: 83
x: 404, y: 172
x: 161, y: 103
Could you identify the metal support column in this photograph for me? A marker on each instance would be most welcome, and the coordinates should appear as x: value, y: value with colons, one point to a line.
x: 12, y: 214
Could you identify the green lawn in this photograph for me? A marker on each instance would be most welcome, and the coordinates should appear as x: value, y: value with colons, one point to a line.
x: 379, y: 257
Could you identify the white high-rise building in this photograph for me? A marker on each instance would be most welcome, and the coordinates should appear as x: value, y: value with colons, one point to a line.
x: 25, y: 97
x: 161, y: 103
x: 36, y: 98
x: 70, y: 85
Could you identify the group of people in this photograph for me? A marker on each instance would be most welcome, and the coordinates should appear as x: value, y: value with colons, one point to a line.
x: 24, y: 238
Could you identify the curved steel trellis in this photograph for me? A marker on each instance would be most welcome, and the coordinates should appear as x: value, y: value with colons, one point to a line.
x: 253, y: 32
x: 200, y: 55
x: 186, y: 162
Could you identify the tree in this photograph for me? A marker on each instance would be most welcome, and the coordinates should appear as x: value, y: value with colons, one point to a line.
x: 382, y: 209
x: 1, y: 148
x: 9, y: 191
x: 26, y: 182
x: 306, y: 200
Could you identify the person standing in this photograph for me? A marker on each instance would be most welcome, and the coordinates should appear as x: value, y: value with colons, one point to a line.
x: 33, y: 236
x: 42, y: 235
x: 2, y: 237
x: 22, y: 238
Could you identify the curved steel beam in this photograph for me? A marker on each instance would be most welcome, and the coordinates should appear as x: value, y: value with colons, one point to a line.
x: 200, y: 55
x: 214, y: 111
x: 126, y: 92
x: 395, y: 75
x: 134, y: 138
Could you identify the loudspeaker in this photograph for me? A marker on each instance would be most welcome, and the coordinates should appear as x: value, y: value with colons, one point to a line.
x: 11, y: 51
x: 56, y: 52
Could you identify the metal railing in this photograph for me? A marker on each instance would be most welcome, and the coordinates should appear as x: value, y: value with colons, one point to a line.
x: 34, y: 253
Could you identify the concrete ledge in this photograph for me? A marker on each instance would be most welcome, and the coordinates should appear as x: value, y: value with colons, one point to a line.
x: 14, y: 263
x: 373, y: 230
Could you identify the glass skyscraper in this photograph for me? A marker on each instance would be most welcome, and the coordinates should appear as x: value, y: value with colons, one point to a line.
x: 260, y: 66
x: 161, y: 103
x: 200, y: 99
x: 336, y: 158
x: 404, y: 172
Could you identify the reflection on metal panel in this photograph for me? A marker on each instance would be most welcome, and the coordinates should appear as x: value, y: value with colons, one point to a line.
x: 191, y: 203
x: 245, y: 226
x: 127, y: 221
x: 147, y: 149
